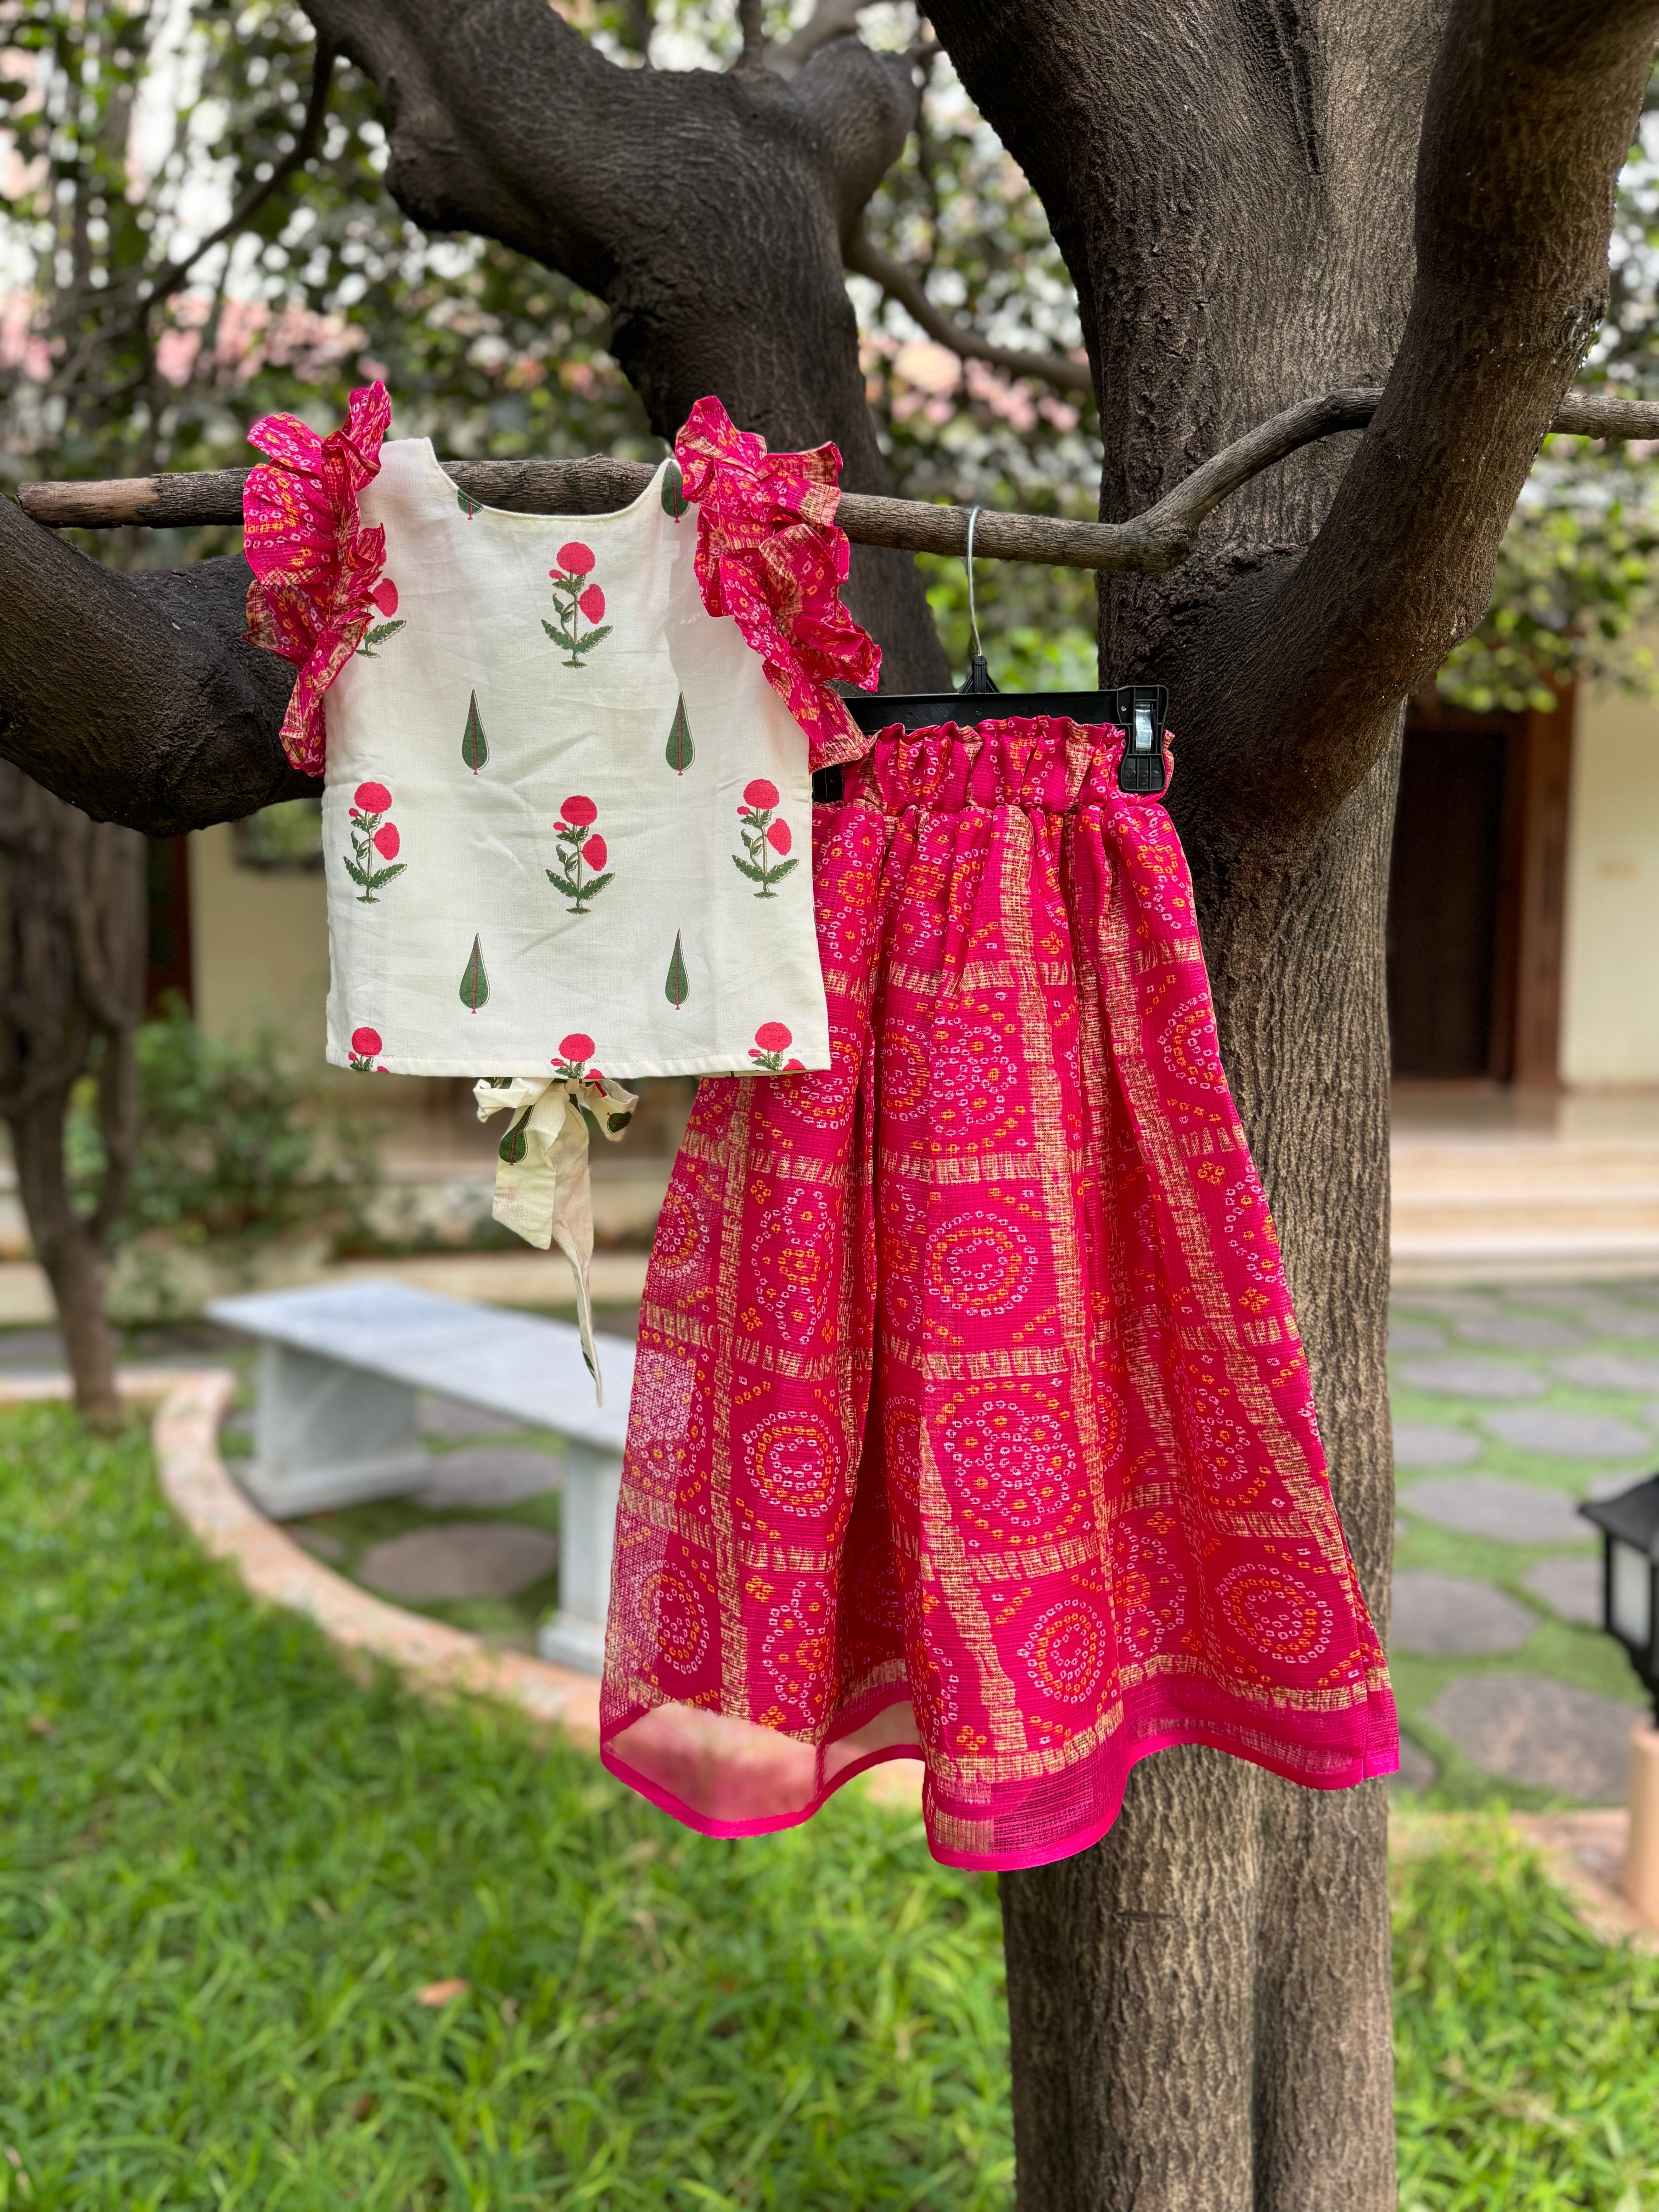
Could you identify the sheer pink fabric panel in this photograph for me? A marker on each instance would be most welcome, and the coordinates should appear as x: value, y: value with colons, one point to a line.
x: 970, y: 1419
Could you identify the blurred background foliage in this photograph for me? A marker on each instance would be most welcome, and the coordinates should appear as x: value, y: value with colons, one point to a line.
x: 135, y: 335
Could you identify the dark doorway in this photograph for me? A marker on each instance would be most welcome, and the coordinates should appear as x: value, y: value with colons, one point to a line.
x: 168, y: 966
x: 1476, y: 894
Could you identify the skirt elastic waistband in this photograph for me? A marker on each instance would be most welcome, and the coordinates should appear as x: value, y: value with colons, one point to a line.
x: 1043, y: 764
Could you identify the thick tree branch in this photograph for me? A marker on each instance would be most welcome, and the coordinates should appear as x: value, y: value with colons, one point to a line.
x: 865, y: 259
x: 830, y: 19
x: 1530, y: 113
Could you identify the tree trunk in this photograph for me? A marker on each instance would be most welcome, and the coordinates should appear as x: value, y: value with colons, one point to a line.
x: 72, y: 939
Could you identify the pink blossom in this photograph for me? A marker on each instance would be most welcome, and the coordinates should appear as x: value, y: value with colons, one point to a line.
x: 760, y: 793
x: 385, y: 596
x: 593, y: 852
x: 578, y: 811
x: 387, y: 840
x: 592, y: 604
x: 773, y: 1037
x: 778, y: 837
x: 373, y: 798
x: 575, y: 1046
x: 365, y: 1042
x: 575, y: 560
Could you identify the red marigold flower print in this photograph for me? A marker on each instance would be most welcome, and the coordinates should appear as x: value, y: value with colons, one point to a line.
x: 365, y: 1043
x: 766, y: 839
x: 385, y: 596
x: 772, y: 1041
x: 576, y: 1046
x: 581, y: 874
x: 575, y: 603
x: 370, y: 836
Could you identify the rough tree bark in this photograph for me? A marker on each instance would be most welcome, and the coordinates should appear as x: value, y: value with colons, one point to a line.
x: 1199, y: 2005
x: 72, y: 982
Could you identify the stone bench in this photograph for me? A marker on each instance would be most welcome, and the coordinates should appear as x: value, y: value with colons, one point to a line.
x: 335, y: 1418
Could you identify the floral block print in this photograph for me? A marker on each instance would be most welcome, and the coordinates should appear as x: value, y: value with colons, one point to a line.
x: 475, y: 746
x: 574, y: 1053
x: 680, y: 750
x: 970, y: 1422
x: 581, y: 874
x: 474, y: 980
x: 385, y: 597
x: 365, y: 1043
x: 375, y: 843
x: 766, y: 839
x: 677, y: 988
x: 576, y: 603
x: 772, y: 1041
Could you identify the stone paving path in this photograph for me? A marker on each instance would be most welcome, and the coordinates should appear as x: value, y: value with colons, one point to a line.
x: 1509, y: 1406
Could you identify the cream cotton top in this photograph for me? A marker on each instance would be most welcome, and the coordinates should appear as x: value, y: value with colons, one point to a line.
x: 567, y: 815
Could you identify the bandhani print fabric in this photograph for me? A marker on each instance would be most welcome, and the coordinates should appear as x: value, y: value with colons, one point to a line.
x: 970, y: 1422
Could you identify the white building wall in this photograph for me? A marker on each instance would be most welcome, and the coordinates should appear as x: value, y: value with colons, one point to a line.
x: 1610, y: 994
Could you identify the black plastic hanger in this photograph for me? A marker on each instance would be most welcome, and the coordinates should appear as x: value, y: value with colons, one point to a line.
x: 1138, y: 709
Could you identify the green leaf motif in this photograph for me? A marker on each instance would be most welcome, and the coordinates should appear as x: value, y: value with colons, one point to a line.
x: 592, y: 636
x: 384, y: 875
x: 378, y: 635
x: 468, y: 505
x: 475, y: 746
x: 676, y: 990
x: 559, y: 636
x: 514, y: 1146
x: 674, y: 500
x: 475, y: 983
x: 356, y: 874
x: 681, y: 752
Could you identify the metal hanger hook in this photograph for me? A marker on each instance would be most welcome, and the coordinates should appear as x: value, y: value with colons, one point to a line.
x: 974, y: 514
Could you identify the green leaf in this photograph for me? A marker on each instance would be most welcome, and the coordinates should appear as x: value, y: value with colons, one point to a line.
x: 783, y: 868
x: 514, y: 1146
x: 674, y: 500
x: 381, y: 631
x: 676, y: 989
x: 475, y: 983
x: 563, y: 884
x: 559, y: 636
x: 384, y: 876
x: 681, y: 752
x: 593, y: 636
x: 468, y: 505
x: 475, y: 746
x: 598, y: 883
x: 357, y: 875
x: 747, y: 868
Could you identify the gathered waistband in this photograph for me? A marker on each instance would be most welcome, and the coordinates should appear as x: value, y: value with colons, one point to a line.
x: 1044, y: 763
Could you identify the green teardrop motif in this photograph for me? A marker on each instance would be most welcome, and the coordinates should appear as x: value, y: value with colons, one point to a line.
x: 676, y: 990
x: 674, y: 500
x: 475, y: 983
x: 514, y: 1146
x: 475, y: 746
x: 680, y: 750
x: 468, y: 505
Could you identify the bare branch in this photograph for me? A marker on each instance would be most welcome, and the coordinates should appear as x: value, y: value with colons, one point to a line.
x: 636, y: 27
x: 830, y: 19
x: 173, y: 273
x: 1150, y: 545
x: 750, y: 23
x: 865, y: 259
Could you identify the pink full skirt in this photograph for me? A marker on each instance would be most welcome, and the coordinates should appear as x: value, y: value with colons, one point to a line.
x: 970, y: 1422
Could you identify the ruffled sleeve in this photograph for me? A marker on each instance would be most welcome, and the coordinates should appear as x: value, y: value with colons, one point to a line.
x: 314, y: 568
x: 770, y: 555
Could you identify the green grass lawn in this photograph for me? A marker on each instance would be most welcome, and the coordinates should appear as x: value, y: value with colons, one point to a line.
x: 228, y: 1871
